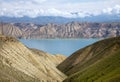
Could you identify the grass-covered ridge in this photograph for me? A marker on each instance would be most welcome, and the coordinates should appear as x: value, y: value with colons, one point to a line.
x: 106, y: 70
x: 99, y: 62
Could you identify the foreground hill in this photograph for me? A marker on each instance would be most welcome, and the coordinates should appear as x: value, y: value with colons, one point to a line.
x: 21, y: 64
x: 99, y: 62
x: 56, y: 59
x: 68, y: 30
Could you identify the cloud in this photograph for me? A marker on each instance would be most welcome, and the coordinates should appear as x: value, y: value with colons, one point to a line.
x: 33, y: 13
x: 115, y: 10
x: 22, y: 1
x: 64, y: 8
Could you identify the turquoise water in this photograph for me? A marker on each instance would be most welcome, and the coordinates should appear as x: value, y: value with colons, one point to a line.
x: 58, y: 46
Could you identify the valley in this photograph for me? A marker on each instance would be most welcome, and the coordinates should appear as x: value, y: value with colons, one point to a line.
x: 59, y: 40
x: 94, y: 63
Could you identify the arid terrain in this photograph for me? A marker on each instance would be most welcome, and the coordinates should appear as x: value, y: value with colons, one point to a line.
x: 68, y: 30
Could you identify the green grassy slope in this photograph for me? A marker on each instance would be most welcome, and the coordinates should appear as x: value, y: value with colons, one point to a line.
x: 93, y: 62
x: 105, y: 70
x: 89, y: 55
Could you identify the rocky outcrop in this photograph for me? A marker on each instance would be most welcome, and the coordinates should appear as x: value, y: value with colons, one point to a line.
x: 69, y: 30
x: 21, y: 64
x: 10, y: 30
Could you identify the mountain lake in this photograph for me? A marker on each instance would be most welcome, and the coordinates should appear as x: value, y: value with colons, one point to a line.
x: 58, y: 46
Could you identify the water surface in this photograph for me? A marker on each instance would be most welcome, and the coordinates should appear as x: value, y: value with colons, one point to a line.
x: 58, y: 46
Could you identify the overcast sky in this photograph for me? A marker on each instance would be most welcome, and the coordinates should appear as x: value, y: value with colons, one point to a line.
x: 35, y: 8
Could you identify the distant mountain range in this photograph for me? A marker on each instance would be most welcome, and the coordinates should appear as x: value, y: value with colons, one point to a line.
x: 68, y: 30
x: 60, y: 20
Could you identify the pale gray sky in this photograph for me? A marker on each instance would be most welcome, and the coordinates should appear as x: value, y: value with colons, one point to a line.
x: 64, y: 8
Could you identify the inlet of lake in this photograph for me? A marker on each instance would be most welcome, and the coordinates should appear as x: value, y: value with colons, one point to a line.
x: 58, y: 46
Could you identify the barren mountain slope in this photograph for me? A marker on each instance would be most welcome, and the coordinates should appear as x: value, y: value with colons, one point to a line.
x: 68, y: 30
x: 10, y: 30
x: 56, y: 59
x: 14, y: 55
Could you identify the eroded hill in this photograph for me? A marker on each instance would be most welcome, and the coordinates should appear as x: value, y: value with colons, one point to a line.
x: 21, y: 64
x: 68, y: 30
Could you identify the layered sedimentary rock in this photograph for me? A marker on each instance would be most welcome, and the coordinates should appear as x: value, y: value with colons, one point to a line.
x: 21, y: 64
x: 69, y: 30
